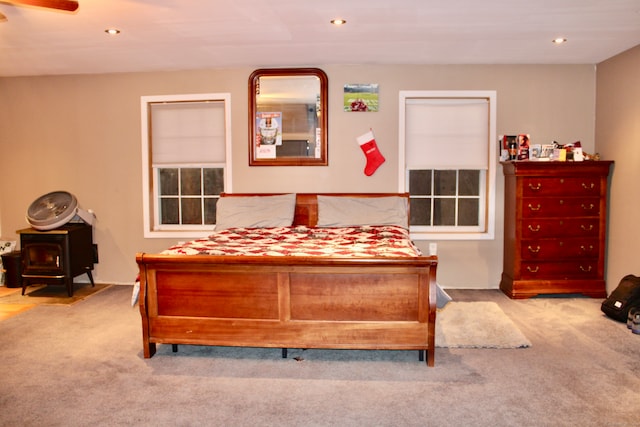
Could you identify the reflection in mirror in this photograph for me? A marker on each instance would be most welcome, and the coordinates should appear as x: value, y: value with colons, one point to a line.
x: 288, y: 117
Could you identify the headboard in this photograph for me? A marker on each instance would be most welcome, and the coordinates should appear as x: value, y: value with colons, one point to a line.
x: 306, y: 210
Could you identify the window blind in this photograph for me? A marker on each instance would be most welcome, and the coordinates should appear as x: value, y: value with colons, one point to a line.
x: 447, y: 133
x: 188, y: 132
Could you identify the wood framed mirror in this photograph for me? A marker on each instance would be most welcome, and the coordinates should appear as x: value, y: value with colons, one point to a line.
x: 288, y: 118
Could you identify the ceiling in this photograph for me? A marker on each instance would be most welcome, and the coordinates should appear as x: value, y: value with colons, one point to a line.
x: 160, y: 35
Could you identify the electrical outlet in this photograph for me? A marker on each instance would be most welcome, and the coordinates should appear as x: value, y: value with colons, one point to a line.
x: 433, y: 249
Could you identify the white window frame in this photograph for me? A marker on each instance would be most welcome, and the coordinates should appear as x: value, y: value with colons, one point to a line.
x: 150, y: 191
x: 486, y: 231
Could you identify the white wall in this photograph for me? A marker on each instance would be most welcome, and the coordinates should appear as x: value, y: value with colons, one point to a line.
x: 82, y: 134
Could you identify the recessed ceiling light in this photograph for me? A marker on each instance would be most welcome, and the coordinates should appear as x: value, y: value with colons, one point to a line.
x: 112, y: 31
x: 559, y: 40
x: 338, y: 21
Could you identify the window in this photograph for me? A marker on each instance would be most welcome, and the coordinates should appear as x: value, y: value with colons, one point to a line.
x: 186, y: 160
x: 448, y: 163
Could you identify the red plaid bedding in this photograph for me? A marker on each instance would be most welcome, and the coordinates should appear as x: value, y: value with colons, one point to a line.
x: 361, y: 241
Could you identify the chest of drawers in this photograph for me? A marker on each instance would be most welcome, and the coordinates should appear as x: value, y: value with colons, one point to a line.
x: 555, y: 228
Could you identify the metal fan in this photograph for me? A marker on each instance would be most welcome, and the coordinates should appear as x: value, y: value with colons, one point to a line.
x: 66, y: 5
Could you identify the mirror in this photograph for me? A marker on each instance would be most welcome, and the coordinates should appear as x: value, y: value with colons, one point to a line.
x: 288, y: 117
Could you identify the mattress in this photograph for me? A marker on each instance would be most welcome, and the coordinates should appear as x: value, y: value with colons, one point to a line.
x: 360, y: 241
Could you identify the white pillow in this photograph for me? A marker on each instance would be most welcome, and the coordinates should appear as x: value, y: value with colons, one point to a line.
x: 341, y: 211
x: 255, y: 211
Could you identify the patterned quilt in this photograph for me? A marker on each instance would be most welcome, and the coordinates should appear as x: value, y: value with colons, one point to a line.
x: 361, y: 241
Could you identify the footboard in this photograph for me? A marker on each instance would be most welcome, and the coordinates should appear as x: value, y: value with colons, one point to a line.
x: 289, y: 302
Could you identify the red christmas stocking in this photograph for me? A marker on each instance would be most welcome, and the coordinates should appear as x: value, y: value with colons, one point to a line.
x: 370, y: 148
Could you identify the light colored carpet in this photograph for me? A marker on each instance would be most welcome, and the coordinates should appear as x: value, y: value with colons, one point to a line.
x: 82, y: 365
x: 480, y: 324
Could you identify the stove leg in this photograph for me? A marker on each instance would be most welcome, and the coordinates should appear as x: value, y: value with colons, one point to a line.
x: 91, y: 278
x: 69, y: 283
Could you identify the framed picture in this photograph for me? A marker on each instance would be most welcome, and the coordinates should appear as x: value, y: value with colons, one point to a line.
x: 535, y: 150
x: 506, y: 143
x: 524, y: 142
x: 361, y: 97
x: 546, y: 152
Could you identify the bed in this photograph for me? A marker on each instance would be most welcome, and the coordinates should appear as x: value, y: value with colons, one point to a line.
x: 302, y: 296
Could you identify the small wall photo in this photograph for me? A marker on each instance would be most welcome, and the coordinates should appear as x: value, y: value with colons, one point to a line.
x: 359, y: 97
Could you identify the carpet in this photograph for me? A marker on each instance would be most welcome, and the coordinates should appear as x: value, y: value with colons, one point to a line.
x: 479, y: 324
x: 52, y: 295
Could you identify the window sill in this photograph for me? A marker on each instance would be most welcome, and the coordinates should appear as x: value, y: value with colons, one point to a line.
x: 430, y: 235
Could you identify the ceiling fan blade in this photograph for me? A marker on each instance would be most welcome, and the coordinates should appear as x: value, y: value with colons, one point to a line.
x: 68, y: 5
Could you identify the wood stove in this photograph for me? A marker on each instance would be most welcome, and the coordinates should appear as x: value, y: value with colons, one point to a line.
x: 57, y: 256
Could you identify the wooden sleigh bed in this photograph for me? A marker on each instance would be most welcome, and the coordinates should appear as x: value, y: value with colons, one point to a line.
x: 377, y: 303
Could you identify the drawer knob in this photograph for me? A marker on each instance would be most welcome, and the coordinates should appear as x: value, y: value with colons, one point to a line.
x: 536, y: 208
x: 586, y: 249
x: 588, y: 207
x: 588, y: 187
x: 536, y: 187
x: 586, y: 270
x: 533, y: 270
x: 534, y: 229
x: 534, y: 250
x: 585, y: 228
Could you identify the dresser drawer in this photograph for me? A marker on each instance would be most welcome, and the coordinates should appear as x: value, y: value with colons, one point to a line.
x: 586, y: 268
x: 556, y: 249
x: 556, y: 228
x: 560, y: 207
x: 567, y: 186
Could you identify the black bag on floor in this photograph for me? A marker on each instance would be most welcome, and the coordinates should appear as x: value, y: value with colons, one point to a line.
x: 625, y: 296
